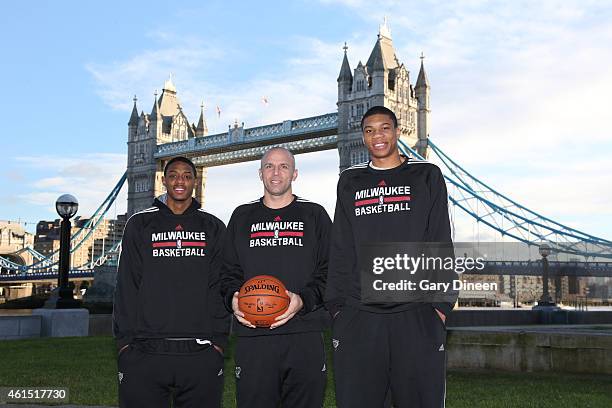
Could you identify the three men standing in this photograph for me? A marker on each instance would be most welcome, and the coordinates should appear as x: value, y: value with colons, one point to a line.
x: 168, y: 307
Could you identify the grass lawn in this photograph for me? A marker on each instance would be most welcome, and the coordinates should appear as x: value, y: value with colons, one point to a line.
x: 87, y: 367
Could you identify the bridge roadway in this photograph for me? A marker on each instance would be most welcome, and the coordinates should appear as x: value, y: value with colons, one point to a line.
x: 519, y: 268
x: 45, y: 277
x: 238, y: 144
x: 555, y: 268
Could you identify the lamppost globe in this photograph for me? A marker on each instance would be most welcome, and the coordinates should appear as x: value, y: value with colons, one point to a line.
x: 67, y: 206
x: 544, y: 250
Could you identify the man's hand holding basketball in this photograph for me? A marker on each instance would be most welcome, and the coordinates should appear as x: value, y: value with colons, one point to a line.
x: 239, y: 315
x: 295, y: 305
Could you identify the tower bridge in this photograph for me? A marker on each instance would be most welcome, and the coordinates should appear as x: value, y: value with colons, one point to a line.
x: 165, y: 132
x: 383, y: 80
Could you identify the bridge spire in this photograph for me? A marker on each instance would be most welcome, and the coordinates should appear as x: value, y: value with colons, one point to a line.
x: 422, y: 90
x: 384, y: 30
x: 422, y: 80
x: 155, y: 114
x: 134, y: 117
x: 169, y: 84
x: 383, y: 54
x: 201, y: 129
x: 345, y: 69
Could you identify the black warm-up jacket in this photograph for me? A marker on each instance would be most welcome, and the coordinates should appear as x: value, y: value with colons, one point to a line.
x: 168, y: 277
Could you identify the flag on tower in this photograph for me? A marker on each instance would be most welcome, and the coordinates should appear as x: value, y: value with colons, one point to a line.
x: 218, y: 111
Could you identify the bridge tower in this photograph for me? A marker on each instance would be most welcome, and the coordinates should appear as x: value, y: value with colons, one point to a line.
x: 166, y: 123
x: 383, y: 80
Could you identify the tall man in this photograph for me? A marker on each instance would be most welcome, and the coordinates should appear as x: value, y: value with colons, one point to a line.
x: 169, y: 321
x: 287, y: 237
x: 396, y: 347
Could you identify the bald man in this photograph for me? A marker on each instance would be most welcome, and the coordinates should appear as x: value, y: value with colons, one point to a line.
x: 283, y: 365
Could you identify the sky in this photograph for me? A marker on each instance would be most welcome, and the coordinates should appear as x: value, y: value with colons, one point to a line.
x: 519, y: 92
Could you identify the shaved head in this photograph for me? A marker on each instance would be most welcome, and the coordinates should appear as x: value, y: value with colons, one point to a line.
x: 277, y: 172
x: 279, y: 150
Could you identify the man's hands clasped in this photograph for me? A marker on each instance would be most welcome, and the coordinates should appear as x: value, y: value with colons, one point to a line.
x: 295, y: 305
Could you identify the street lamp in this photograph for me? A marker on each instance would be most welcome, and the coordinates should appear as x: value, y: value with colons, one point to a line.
x: 66, y: 206
x: 545, y: 299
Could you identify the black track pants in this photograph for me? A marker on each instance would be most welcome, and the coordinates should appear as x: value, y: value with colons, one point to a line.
x: 285, y: 369
x: 153, y: 372
x: 404, y: 353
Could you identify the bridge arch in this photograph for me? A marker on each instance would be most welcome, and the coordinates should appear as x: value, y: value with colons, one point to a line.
x: 18, y: 259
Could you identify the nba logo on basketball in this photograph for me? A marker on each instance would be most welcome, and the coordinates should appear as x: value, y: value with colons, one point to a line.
x: 260, y: 307
x: 263, y: 298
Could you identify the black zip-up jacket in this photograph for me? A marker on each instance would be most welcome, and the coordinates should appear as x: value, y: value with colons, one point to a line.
x: 168, y: 277
x: 290, y: 243
x: 407, y: 203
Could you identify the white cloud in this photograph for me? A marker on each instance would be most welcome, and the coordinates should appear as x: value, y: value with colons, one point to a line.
x: 49, y: 182
x: 90, y: 178
x: 297, y: 87
x: 141, y: 74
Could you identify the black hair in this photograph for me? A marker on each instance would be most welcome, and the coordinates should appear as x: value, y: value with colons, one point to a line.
x: 183, y: 160
x: 379, y: 110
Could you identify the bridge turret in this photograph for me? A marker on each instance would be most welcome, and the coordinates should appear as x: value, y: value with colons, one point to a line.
x: 156, y: 120
x: 134, y: 117
x: 201, y: 129
x: 167, y: 123
x: 133, y: 122
x: 141, y: 166
x: 345, y: 78
x: 382, y: 81
x: 382, y: 61
x: 422, y: 90
x: 155, y: 111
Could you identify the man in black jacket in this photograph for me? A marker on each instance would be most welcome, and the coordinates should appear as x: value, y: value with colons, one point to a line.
x: 287, y: 237
x: 169, y: 321
x: 396, y: 347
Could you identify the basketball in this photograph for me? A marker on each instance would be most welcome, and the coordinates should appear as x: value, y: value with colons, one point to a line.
x: 261, y: 299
